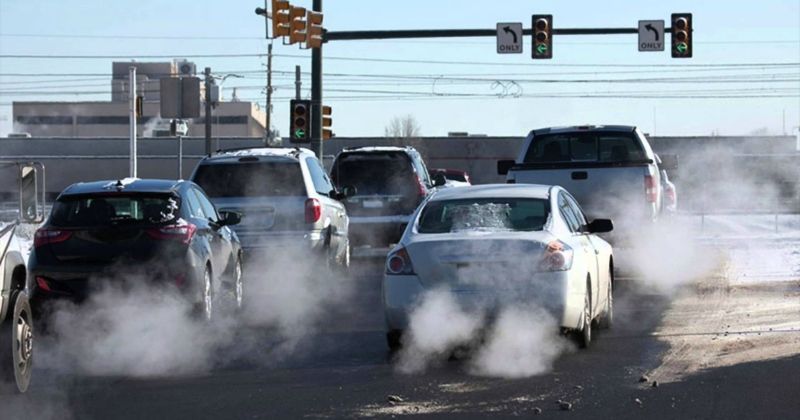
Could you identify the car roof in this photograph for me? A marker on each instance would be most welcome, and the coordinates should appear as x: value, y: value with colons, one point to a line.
x: 494, y: 190
x: 583, y: 128
x: 123, y: 185
x: 235, y: 155
x: 369, y: 149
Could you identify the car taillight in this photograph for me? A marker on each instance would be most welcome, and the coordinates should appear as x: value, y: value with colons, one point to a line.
x: 41, y: 282
x: 670, y: 195
x: 46, y: 236
x: 399, y: 262
x: 180, y: 232
x: 650, y: 188
x: 421, y: 190
x: 313, y: 210
x: 557, y: 257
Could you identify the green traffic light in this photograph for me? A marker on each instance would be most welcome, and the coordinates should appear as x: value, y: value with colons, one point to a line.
x: 299, y: 133
x: 541, y: 48
x: 682, y: 47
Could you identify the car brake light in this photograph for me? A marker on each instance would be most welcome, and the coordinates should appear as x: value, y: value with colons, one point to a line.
x: 557, y: 257
x: 180, y: 232
x: 650, y: 190
x: 313, y: 210
x: 421, y: 190
x: 670, y: 195
x: 399, y: 262
x: 46, y: 236
x: 41, y: 282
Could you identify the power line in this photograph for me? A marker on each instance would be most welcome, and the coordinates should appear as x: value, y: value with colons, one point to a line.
x: 253, y: 38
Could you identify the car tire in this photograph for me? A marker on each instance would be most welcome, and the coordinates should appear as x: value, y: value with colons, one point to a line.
x: 607, y: 319
x: 204, y: 308
x: 237, y: 283
x: 585, y: 334
x: 16, y: 343
x: 394, y: 339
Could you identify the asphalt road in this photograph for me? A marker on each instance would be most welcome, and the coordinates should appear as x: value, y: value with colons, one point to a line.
x: 345, y: 371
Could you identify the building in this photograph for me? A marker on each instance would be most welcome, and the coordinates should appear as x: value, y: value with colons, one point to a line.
x: 111, y: 118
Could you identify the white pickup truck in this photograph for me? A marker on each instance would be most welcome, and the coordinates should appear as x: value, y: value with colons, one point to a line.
x: 16, y: 318
x: 611, y: 170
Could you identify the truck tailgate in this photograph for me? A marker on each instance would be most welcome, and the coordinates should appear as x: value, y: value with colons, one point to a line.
x: 602, y: 192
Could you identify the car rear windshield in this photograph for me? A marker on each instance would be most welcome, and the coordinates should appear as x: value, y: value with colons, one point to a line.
x: 585, y: 147
x: 493, y: 214
x: 252, y: 179
x: 115, y: 210
x: 375, y: 173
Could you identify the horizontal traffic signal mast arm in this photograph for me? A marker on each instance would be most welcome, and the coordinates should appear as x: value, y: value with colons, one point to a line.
x: 464, y: 33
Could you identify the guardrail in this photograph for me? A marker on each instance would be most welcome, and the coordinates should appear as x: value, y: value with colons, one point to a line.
x: 743, y: 212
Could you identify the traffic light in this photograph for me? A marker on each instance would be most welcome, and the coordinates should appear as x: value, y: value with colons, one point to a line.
x: 542, y: 36
x: 681, y: 35
x: 300, y: 124
x: 314, y: 30
x: 327, y: 122
x: 297, y: 24
x: 280, y: 18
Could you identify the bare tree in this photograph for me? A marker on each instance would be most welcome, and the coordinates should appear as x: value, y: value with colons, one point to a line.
x: 403, y: 128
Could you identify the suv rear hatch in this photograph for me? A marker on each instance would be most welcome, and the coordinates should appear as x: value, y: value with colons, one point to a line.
x: 385, y: 182
x: 100, y: 229
x: 270, y: 194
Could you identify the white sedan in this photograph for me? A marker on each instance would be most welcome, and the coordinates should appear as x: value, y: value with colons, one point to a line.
x: 496, y: 245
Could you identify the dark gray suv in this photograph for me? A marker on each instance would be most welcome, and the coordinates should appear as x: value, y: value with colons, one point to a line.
x: 389, y: 183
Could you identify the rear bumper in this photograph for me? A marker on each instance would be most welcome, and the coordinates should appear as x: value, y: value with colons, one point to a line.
x: 265, y: 241
x: 77, y: 283
x: 560, y: 293
x: 377, y: 231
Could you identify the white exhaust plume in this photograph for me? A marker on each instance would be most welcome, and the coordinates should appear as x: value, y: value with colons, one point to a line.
x: 522, y: 342
x: 146, y: 331
x: 436, y: 327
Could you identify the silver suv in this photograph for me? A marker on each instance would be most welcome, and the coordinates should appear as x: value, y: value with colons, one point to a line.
x: 285, y: 198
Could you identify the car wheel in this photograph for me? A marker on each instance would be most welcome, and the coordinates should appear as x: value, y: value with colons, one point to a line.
x: 16, y: 343
x: 205, y: 307
x: 394, y: 340
x: 608, y: 315
x: 585, y: 335
x: 238, y: 284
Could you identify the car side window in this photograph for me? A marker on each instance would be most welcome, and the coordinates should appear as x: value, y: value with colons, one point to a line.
x: 206, y: 205
x: 568, y: 214
x: 195, y: 209
x: 576, y: 209
x: 322, y: 184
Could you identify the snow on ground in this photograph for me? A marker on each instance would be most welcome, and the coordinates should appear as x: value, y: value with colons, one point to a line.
x: 759, y: 248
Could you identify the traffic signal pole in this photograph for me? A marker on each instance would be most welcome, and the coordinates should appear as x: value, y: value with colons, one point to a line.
x: 316, y: 93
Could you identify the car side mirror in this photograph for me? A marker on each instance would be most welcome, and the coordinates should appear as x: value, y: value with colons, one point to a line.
x: 668, y: 161
x: 503, y: 166
x: 599, y: 226
x: 31, y: 199
x: 229, y: 218
x: 439, y: 179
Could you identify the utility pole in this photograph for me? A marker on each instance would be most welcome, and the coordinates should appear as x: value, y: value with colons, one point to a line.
x: 316, y: 93
x: 209, y: 82
x: 298, y: 83
x: 132, y: 118
x: 268, y: 129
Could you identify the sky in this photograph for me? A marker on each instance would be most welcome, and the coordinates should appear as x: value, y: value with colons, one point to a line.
x: 744, y: 76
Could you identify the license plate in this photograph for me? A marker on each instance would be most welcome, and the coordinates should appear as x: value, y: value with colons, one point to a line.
x: 372, y: 204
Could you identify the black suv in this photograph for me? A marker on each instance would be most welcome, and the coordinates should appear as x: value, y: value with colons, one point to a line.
x: 389, y: 182
x: 151, y: 230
